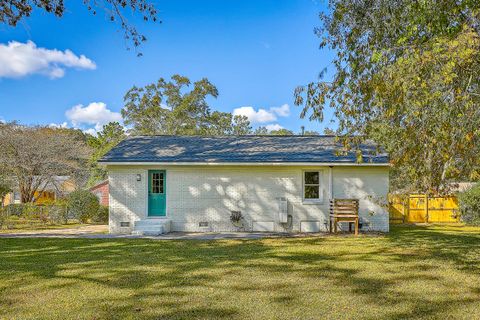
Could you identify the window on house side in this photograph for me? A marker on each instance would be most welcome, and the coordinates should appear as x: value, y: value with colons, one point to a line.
x: 311, y: 185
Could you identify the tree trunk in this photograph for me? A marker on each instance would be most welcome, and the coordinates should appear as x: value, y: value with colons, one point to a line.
x: 27, y: 190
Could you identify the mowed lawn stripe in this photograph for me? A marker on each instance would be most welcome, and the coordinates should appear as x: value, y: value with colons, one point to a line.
x: 418, y: 272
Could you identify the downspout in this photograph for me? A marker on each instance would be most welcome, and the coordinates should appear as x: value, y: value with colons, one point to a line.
x: 330, y: 197
x: 330, y: 182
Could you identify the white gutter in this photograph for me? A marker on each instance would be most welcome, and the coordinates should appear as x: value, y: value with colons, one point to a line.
x: 279, y: 164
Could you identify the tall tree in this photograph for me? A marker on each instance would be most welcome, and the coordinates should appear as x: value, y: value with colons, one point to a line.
x: 261, y: 131
x: 407, y: 76
x: 33, y: 156
x: 111, y: 134
x: 311, y: 133
x: 14, y: 11
x: 328, y: 131
x: 281, y: 132
x: 241, y: 125
x: 170, y: 108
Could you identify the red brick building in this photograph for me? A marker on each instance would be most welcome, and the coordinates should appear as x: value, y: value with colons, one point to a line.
x: 101, y: 191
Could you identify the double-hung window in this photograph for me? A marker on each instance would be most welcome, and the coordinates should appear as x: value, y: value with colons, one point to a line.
x: 313, y: 186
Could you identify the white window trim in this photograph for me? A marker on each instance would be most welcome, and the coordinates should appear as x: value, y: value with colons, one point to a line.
x: 321, y: 187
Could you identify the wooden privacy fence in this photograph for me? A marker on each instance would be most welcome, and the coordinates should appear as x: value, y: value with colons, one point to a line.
x: 418, y: 208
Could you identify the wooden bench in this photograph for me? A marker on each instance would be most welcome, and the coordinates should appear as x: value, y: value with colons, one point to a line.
x: 344, y: 210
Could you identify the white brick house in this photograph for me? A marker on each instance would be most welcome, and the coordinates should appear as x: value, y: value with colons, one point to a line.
x: 274, y: 183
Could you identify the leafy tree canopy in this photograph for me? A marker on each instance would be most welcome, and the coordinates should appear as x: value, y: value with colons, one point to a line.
x: 111, y: 134
x: 261, y: 131
x: 281, y: 132
x: 407, y: 76
x: 171, y: 108
x: 311, y: 133
x: 14, y: 11
x: 33, y: 156
x: 328, y: 131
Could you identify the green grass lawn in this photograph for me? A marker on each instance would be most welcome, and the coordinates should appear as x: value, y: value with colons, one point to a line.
x: 414, y: 272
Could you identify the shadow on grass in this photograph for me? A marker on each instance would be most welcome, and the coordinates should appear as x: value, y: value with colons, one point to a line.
x: 384, y: 277
x: 457, y: 245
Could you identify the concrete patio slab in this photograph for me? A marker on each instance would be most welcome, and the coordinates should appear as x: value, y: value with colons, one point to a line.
x: 100, y: 232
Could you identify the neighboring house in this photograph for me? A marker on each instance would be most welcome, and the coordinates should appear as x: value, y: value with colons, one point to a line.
x: 57, y: 187
x: 12, y: 197
x: 101, y: 191
x: 276, y: 183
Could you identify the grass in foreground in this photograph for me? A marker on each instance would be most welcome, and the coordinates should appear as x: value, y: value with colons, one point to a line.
x: 414, y: 272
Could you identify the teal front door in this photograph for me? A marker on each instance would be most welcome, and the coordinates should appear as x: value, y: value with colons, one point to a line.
x: 156, y: 193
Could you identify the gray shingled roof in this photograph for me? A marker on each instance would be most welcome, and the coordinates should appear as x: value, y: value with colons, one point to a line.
x: 229, y: 149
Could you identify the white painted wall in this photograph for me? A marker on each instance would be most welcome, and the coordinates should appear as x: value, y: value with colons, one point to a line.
x: 208, y: 193
x: 370, y: 186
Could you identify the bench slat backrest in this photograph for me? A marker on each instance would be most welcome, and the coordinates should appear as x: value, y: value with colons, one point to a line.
x: 344, y: 206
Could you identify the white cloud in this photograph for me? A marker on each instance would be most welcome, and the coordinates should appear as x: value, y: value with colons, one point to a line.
x: 96, y: 114
x: 259, y: 116
x: 262, y: 115
x: 58, y: 125
x: 164, y: 106
x: 274, y: 126
x: 91, y: 131
x: 282, y: 111
x: 21, y: 59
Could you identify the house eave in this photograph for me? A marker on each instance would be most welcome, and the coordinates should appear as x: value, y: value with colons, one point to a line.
x: 302, y: 164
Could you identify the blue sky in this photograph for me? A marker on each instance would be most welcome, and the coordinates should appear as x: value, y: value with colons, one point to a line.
x: 255, y: 52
